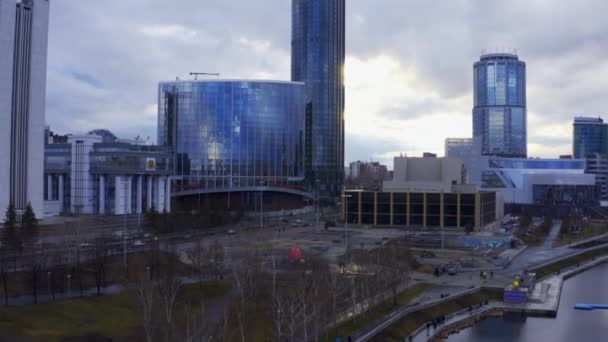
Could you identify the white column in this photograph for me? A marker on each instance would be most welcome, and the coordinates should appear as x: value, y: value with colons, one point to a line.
x: 139, y: 193
x: 102, y: 194
x: 60, y: 193
x: 149, y: 180
x: 119, y: 197
x: 49, y: 187
x: 160, y: 194
x: 168, y: 195
x: 129, y: 194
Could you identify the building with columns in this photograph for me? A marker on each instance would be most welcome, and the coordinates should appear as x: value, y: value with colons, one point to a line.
x: 86, y: 175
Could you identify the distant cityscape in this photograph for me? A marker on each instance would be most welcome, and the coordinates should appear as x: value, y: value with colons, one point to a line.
x: 244, y: 213
x: 249, y: 138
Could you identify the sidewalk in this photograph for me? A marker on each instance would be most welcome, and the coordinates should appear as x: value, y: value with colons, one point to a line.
x: 422, y: 335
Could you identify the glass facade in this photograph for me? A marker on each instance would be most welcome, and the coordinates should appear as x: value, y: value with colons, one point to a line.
x: 233, y: 133
x: 318, y: 54
x: 499, y: 115
x: 590, y: 136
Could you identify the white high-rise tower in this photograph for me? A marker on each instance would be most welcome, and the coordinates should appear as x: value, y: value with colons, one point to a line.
x: 23, y: 59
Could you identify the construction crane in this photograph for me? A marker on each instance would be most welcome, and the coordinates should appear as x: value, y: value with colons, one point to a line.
x: 197, y: 74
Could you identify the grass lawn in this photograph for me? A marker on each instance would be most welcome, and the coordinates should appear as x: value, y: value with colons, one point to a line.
x: 352, y: 326
x: 555, y: 267
x: 408, y: 324
x: 114, y: 317
x: 531, y: 240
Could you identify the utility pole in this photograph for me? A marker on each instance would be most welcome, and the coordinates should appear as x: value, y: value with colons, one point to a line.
x: 124, y: 227
x: 261, y: 205
x: 318, y: 201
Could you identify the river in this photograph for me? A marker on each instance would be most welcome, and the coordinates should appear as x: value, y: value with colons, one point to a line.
x: 590, y: 287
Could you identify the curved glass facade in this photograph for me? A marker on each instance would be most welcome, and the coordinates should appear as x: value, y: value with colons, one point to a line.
x: 231, y: 134
x: 590, y: 136
x: 317, y: 59
x: 499, y: 115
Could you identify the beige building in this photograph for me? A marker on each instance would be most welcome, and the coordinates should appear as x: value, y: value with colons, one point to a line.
x: 427, y: 174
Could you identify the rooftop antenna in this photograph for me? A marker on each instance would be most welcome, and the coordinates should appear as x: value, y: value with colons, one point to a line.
x: 197, y: 74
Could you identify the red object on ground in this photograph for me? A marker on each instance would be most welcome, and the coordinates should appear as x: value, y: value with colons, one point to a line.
x: 295, y: 255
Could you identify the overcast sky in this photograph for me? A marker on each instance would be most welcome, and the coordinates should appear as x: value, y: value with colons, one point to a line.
x: 408, y: 65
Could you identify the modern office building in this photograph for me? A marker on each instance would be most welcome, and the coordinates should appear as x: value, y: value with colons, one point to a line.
x: 23, y: 58
x: 590, y: 141
x: 499, y: 113
x: 428, y: 192
x: 423, y: 209
x: 469, y: 151
x: 590, y: 136
x: 539, y: 181
x: 317, y: 59
x: 236, y: 138
x: 83, y: 174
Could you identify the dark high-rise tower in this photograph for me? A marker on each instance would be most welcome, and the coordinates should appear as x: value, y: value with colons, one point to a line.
x: 499, y: 115
x: 317, y: 59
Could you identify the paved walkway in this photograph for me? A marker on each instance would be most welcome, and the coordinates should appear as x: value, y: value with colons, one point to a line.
x: 550, y: 239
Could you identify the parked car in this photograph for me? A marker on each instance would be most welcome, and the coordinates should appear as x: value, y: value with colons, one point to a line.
x: 231, y: 232
x: 139, y: 243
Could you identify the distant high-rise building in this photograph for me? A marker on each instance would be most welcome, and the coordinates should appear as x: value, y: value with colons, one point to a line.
x: 590, y: 136
x: 590, y: 141
x: 317, y: 59
x: 23, y: 59
x: 499, y: 114
x: 466, y: 150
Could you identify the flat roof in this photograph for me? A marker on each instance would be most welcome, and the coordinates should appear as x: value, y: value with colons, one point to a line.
x: 229, y: 80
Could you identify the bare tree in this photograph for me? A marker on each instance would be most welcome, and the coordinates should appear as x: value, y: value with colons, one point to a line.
x: 168, y: 289
x: 147, y: 298
x: 216, y: 259
x: 37, y: 262
x: 395, y: 268
x: 246, y: 270
x: 99, y: 263
x: 198, y: 257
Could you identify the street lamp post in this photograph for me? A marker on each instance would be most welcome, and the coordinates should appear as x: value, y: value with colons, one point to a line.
x: 261, y: 205
x: 124, y: 227
x: 346, y: 197
x: 318, y: 200
x: 69, y: 278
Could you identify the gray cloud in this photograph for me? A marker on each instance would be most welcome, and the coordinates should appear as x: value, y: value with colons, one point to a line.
x: 106, y: 57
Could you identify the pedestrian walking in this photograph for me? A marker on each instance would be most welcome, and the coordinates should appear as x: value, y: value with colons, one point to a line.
x: 434, y: 324
x: 492, y: 274
x: 428, y: 328
x: 481, y: 274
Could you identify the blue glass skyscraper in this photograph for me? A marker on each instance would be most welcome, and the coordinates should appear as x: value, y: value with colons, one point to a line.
x: 233, y: 134
x: 499, y: 115
x: 590, y: 136
x: 317, y: 59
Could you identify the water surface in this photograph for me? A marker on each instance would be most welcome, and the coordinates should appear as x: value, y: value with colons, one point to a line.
x: 570, y: 325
